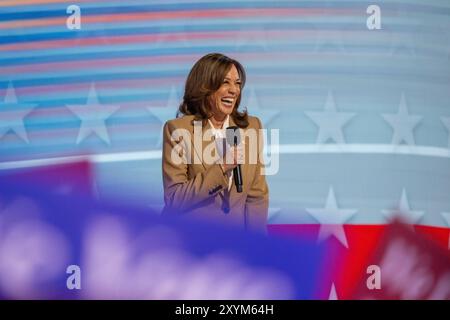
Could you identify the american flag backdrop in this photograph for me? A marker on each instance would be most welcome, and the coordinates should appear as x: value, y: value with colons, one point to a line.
x: 363, y: 113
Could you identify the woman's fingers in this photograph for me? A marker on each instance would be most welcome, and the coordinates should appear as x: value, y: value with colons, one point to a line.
x: 230, y: 159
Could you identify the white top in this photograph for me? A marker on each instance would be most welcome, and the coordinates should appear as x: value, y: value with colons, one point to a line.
x: 220, y: 135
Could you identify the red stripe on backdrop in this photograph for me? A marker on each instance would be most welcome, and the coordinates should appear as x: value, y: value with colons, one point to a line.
x: 15, y: 3
x: 99, y: 62
x: 440, y: 235
x: 113, y: 40
x: 82, y: 88
x: 160, y: 37
x: 346, y: 267
x: 185, y: 14
x: 362, y: 241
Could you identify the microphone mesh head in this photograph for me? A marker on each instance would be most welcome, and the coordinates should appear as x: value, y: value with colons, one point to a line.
x: 233, y: 135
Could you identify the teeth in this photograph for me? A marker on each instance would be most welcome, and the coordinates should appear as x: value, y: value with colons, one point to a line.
x: 227, y: 100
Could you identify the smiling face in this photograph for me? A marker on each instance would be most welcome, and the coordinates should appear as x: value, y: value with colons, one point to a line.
x: 224, y: 99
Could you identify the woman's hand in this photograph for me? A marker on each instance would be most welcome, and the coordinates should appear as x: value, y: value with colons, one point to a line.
x: 232, y: 161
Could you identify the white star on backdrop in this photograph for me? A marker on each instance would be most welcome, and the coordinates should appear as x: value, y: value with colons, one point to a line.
x: 333, y: 294
x: 331, y: 219
x: 265, y: 115
x: 273, y: 212
x: 446, y: 216
x: 402, y: 123
x: 329, y: 121
x: 404, y: 211
x: 93, y: 116
x: 13, y: 114
x: 166, y: 113
x: 446, y: 122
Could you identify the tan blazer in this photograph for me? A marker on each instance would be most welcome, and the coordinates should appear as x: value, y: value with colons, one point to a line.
x: 200, y: 190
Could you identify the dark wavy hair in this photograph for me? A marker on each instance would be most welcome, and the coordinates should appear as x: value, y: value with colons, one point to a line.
x: 205, y: 78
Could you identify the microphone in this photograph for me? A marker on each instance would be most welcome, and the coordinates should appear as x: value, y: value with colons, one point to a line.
x: 234, y: 139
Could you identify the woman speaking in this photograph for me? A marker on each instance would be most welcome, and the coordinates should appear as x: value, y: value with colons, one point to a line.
x: 212, y: 153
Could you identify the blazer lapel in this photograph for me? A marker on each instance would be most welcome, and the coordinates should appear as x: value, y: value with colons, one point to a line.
x: 199, y: 145
x: 202, y: 145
